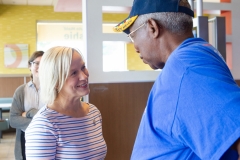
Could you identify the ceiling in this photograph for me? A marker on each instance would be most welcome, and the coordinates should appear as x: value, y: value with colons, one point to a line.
x: 59, y: 5
x: 28, y: 2
x: 74, y: 5
x: 63, y: 5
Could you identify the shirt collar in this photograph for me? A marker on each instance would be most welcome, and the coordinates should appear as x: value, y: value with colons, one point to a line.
x: 30, y: 84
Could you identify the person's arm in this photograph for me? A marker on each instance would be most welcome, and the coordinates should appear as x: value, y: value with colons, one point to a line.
x: 202, y: 129
x: 31, y: 113
x: 15, y: 118
x: 41, y: 142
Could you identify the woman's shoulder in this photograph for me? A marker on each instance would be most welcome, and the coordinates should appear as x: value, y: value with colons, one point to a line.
x: 19, y: 91
x: 46, y: 112
x: 93, y: 109
x: 20, y: 88
x: 47, y: 115
x: 91, y: 106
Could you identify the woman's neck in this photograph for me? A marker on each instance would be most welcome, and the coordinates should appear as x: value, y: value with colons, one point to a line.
x: 36, y: 83
x: 71, y: 107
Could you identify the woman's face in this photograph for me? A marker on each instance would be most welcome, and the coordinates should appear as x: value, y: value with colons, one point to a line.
x: 76, y: 84
x: 34, y: 67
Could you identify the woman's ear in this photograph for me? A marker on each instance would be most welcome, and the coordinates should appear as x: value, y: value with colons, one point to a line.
x: 57, y: 88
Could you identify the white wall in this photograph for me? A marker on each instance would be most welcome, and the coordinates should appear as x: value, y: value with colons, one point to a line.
x: 92, y: 26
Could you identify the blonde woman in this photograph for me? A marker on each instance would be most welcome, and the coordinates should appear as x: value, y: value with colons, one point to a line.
x: 66, y: 128
x: 26, y: 103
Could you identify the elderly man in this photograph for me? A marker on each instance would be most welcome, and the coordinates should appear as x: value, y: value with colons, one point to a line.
x: 193, y: 108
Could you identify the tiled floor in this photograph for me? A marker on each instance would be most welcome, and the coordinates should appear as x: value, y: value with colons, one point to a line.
x: 7, y: 146
x: 7, y: 142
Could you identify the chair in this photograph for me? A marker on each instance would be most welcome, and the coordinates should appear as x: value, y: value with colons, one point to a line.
x: 4, y: 125
x: 6, y: 100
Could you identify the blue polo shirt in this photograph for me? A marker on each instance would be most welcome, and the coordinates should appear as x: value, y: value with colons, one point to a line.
x: 193, y: 108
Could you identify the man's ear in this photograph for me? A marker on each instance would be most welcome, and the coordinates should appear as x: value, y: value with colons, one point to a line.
x: 153, y: 28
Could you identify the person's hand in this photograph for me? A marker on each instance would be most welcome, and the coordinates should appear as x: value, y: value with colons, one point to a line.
x: 24, y: 114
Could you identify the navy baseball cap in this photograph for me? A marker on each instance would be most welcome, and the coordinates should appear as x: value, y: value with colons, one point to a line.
x: 141, y: 7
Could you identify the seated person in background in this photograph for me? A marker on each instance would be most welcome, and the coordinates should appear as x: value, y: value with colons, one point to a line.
x: 65, y: 128
x: 26, y: 103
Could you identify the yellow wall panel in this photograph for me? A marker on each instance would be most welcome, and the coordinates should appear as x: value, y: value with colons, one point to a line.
x: 134, y: 62
x: 114, y: 17
x: 18, y: 26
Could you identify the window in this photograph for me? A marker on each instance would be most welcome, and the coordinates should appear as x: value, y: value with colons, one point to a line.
x: 50, y: 34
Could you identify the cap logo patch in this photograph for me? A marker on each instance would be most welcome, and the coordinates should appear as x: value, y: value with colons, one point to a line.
x: 125, y: 24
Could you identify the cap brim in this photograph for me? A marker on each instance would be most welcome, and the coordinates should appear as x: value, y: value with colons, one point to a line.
x: 125, y: 24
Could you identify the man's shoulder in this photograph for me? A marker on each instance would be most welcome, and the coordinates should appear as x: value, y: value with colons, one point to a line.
x: 196, y: 47
x: 196, y: 52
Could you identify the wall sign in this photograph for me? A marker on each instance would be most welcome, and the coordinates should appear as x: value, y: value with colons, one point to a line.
x: 16, y: 55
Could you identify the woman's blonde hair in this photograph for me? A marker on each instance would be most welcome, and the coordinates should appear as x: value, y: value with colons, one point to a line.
x: 53, y: 71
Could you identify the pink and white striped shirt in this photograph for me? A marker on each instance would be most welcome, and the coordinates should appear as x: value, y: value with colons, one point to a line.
x: 52, y: 135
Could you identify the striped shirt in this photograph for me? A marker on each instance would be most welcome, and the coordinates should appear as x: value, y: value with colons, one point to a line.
x: 52, y: 135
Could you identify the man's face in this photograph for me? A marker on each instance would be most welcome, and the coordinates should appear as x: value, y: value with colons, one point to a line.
x: 146, y: 45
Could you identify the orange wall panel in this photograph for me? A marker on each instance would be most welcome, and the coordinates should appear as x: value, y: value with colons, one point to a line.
x: 228, y: 16
x: 228, y: 1
x: 229, y: 55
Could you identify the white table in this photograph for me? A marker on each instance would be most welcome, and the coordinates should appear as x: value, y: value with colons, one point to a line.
x: 3, y: 105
